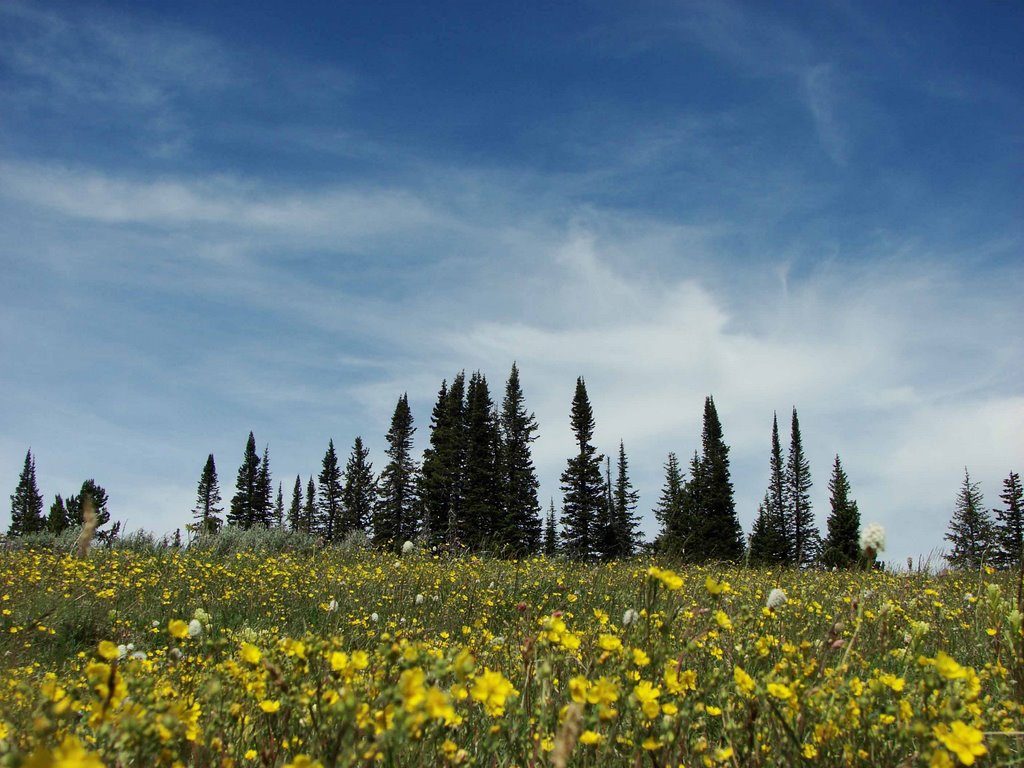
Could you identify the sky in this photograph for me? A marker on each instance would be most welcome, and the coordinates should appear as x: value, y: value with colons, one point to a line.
x: 280, y: 217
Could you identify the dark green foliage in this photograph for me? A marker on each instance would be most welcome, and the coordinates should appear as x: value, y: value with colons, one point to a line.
x: 27, y: 502
x: 245, y: 504
x: 278, y: 521
x: 359, y: 494
x: 771, y: 539
x: 207, y: 509
x: 99, y: 498
x: 970, y: 529
x: 295, y: 509
x: 604, y: 529
x: 519, y: 483
x: 717, y: 529
x: 394, y: 518
x: 842, y: 544
x: 675, y: 528
x: 799, y: 516
x: 1009, y: 527
x: 308, y: 522
x: 263, y: 510
x: 624, y: 503
x: 550, y: 532
x: 58, y: 520
x: 765, y: 541
x: 481, y: 522
x: 329, y: 505
x: 583, y: 488
x: 441, y: 480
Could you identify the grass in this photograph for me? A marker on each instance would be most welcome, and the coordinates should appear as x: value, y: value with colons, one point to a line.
x: 294, y: 655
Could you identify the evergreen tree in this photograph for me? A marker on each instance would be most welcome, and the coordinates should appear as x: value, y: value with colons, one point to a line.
x: 519, y: 482
x: 263, y: 509
x: 295, y: 510
x: 551, y: 533
x: 717, y: 528
x: 842, y: 544
x: 1009, y: 528
x: 207, y: 509
x: 279, y: 508
x: 624, y: 503
x: 308, y: 524
x: 436, y: 478
x: 394, y: 519
x: 800, y: 518
x: 604, y: 528
x: 481, y: 523
x: 970, y: 529
x: 27, y: 502
x: 669, y: 510
x: 765, y: 539
x: 329, y: 504
x: 583, y: 491
x: 359, y: 495
x: 99, y: 498
x: 771, y: 539
x: 245, y: 502
x: 58, y: 520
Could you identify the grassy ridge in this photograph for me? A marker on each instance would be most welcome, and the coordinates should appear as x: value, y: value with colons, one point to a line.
x: 354, y: 657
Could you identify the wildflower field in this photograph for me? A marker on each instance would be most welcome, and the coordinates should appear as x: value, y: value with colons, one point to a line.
x: 354, y: 657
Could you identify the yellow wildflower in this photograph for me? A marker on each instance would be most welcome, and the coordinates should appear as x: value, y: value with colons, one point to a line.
x: 744, y: 682
x: 962, y: 739
x: 492, y: 690
x: 670, y: 579
x: 269, y: 706
x: 250, y: 653
x: 590, y: 737
x: 646, y: 696
x: 108, y: 650
x: 178, y: 628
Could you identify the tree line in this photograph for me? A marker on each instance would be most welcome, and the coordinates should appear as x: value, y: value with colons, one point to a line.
x: 475, y: 488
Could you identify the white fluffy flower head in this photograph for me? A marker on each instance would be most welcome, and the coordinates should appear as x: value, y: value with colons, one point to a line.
x: 872, y: 537
x: 195, y: 628
x: 776, y: 598
x: 629, y: 617
x: 408, y: 547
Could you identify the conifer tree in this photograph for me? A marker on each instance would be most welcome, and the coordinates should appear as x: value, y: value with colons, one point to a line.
x: 27, y: 502
x: 481, y: 523
x: 263, y: 510
x: 329, y: 505
x: 58, y: 519
x: 90, y: 489
x: 800, y: 518
x: 583, y: 491
x: 359, y: 494
x: 519, y: 482
x: 765, y: 540
x: 394, y: 519
x: 295, y: 510
x: 669, y: 510
x: 1009, y: 527
x: 207, y: 509
x: 245, y: 502
x: 604, y: 528
x: 624, y: 503
x: 717, y: 528
x: 551, y: 533
x: 308, y: 523
x: 842, y: 543
x: 437, y: 478
x: 771, y: 538
x: 970, y: 529
x: 279, y: 508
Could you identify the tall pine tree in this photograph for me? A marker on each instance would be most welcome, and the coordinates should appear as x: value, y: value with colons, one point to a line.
x: 771, y: 539
x: 625, y: 500
x: 207, y: 509
x: 359, y: 494
x: 98, y: 495
x: 481, y: 523
x: 970, y: 529
x: 1009, y: 527
x: 278, y: 521
x: 669, y: 512
x: 583, y: 488
x: 295, y: 510
x: 394, y: 519
x: 718, y: 532
x: 263, y: 511
x: 519, y: 482
x: 27, y: 502
x: 310, y: 522
x: 799, y: 516
x: 842, y: 544
x: 245, y: 503
x: 58, y: 520
x: 329, y: 508
x: 551, y: 532
x: 443, y: 464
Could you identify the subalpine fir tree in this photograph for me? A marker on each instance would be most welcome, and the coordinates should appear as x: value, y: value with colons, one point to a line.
x: 394, y: 517
x: 970, y: 529
x: 329, y: 505
x: 771, y: 539
x: 669, y: 511
x: 245, y: 503
x: 27, y: 502
x: 842, y: 543
x: 764, y: 544
x: 718, y: 532
x: 481, y: 523
x: 441, y: 476
x: 551, y: 533
x: 279, y: 508
x: 92, y: 490
x: 799, y: 516
x: 308, y: 523
x: 295, y: 510
x: 583, y: 491
x: 624, y: 503
x: 519, y: 482
x: 207, y: 509
x: 1009, y: 527
x: 58, y: 520
x: 359, y: 494
x: 604, y: 528
x: 263, y: 511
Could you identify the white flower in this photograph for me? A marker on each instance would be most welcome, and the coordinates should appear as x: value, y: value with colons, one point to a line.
x: 776, y: 598
x: 629, y: 617
x: 138, y: 655
x: 873, y: 538
x: 195, y: 628
x: 374, y: 617
x: 122, y: 651
x: 200, y: 615
x: 419, y: 599
x: 333, y: 605
x: 491, y: 585
x: 408, y: 547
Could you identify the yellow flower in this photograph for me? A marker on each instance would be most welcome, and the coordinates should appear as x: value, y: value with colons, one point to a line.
x: 780, y: 691
x: 651, y: 744
x: 492, y: 690
x: 250, y: 653
x: 70, y: 754
x: 250, y: 754
x: 712, y: 710
x: 744, y: 682
x: 940, y: 759
x: 270, y: 706
x: 304, y: 761
x: 722, y: 619
x: 670, y: 579
x: 178, y: 628
x: 646, y: 696
x: 108, y: 650
x: 590, y: 737
x: 410, y: 682
x: 609, y: 642
x: 809, y: 751
x: 896, y: 683
x: 962, y: 739
x: 723, y: 753
x: 603, y: 691
x: 640, y: 658
x: 578, y: 689
x: 716, y: 587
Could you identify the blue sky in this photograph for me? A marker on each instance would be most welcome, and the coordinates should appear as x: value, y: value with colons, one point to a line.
x: 280, y: 217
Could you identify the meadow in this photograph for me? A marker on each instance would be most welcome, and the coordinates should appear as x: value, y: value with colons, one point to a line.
x: 161, y: 656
